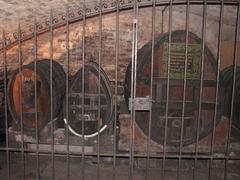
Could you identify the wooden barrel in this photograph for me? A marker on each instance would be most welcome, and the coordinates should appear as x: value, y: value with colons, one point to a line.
x: 21, y: 88
x: 92, y: 110
x: 227, y: 75
x: 176, y: 87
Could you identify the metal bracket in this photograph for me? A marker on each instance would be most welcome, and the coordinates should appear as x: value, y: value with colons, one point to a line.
x: 140, y: 104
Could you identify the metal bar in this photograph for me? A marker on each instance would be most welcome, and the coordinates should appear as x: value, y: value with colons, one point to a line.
x: 162, y: 13
x: 132, y: 105
x: 51, y: 92
x: 189, y: 156
x: 217, y: 87
x: 184, y: 86
x: 201, y: 84
x: 83, y: 81
x: 20, y: 97
x: 116, y: 89
x: 133, y: 86
x: 151, y: 87
x: 67, y: 89
x: 5, y: 102
x: 35, y: 100
x: 99, y: 88
x: 135, y: 78
x: 168, y: 82
x: 236, y: 46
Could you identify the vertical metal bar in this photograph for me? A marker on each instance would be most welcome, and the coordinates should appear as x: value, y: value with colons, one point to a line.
x: 51, y: 93
x: 99, y: 88
x: 168, y: 82
x: 201, y: 84
x: 133, y: 86
x: 20, y: 97
x: 151, y: 87
x: 217, y: 87
x: 67, y: 90
x: 184, y: 86
x: 116, y: 89
x: 132, y: 107
x: 83, y: 82
x: 236, y: 46
x: 162, y: 13
x: 5, y: 103
x: 35, y: 100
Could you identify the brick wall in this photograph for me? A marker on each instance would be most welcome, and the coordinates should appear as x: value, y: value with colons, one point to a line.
x: 125, y: 37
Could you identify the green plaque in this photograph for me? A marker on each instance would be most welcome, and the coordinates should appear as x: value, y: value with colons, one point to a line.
x: 177, y: 65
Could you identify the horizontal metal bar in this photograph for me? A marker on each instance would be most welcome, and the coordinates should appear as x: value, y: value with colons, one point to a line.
x: 192, y: 156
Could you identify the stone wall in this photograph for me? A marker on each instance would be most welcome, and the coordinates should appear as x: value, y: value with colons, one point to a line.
x: 24, y: 11
x: 125, y: 37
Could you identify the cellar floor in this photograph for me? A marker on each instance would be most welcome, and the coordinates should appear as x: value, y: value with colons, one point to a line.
x: 106, y: 168
x: 90, y: 167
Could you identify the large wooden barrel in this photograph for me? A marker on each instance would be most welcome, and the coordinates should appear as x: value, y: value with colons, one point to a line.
x: 176, y: 87
x: 90, y: 117
x: 21, y: 88
x: 227, y: 75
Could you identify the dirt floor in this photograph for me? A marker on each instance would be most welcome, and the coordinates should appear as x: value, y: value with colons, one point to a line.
x: 106, y: 168
x: 89, y: 167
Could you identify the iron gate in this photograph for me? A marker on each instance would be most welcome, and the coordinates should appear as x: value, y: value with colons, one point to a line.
x: 160, y: 105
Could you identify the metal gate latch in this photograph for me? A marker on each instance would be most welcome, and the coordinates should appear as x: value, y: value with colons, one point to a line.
x: 140, y: 104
